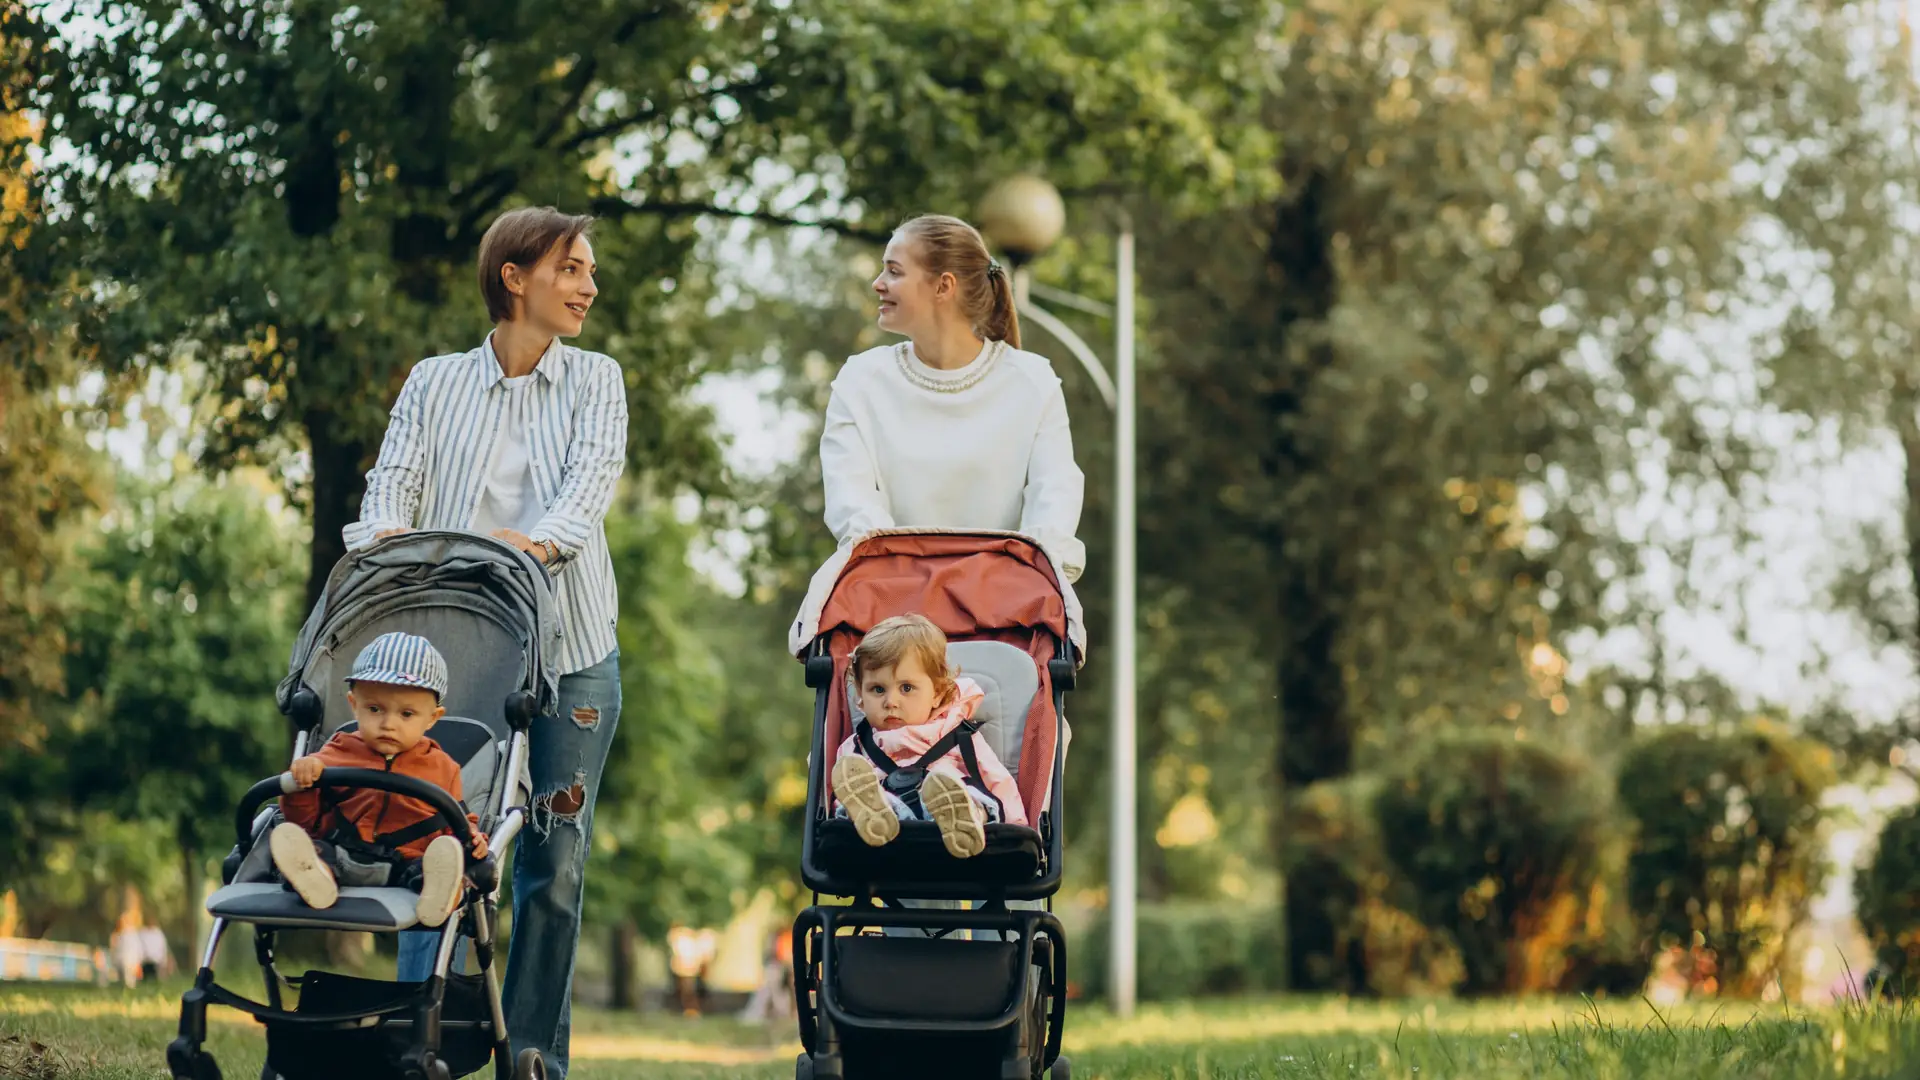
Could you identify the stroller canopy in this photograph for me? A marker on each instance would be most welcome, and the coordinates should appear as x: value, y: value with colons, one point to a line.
x: 970, y: 583
x: 482, y: 602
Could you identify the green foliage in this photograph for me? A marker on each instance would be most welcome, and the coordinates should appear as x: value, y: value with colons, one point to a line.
x: 1500, y: 840
x: 1413, y: 403
x: 1727, y: 848
x: 1359, y: 936
x: 1397, y: 413
x: 183, y: 623
x: 1201, y: 801
x: 1186, y: 950
x: 48, y: 475
x: 294, y: 192
x: 49, y: 481
x: 1887, y: 894
x: 77, y: 887
x: 179, y: 616
x: 659, y: 856
x: 694, y: 812
x: 766, y: 714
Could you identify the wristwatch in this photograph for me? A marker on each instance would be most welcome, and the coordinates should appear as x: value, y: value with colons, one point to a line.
x: 553, y: 551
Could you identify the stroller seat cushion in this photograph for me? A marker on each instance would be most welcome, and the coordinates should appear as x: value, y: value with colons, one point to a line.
x: 263, y: 903
x: 1010, y: 681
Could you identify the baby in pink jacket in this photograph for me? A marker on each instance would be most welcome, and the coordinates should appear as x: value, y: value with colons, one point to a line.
x: 917, y: 756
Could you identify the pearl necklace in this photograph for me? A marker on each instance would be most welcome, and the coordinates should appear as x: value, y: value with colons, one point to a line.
x: 918, y: 377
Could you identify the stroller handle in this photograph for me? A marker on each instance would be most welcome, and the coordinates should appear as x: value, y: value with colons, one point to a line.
x: 432, y: 794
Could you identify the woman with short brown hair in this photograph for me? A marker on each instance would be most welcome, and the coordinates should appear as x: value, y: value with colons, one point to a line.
x: 524, y: 438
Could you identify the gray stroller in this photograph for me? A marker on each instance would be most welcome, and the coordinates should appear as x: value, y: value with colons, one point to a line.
x: 487, y: 607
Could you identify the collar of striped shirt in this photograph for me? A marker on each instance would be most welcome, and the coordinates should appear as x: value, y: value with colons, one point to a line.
x: 434, y: 456
x: 550, y: 367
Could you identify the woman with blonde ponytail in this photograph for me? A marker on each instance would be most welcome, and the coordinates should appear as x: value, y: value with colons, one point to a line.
x: 955, y: 427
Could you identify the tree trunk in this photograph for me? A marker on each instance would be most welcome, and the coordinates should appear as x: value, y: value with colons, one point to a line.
x: 1906, y: 421
x: 1315, y: 742
x: 623, y: 972
x: 339, y: 480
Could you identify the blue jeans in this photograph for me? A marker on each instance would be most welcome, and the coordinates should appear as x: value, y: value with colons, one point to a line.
x: 565, y: 753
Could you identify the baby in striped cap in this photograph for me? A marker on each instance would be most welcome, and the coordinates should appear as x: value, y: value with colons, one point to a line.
x: 359, y: 836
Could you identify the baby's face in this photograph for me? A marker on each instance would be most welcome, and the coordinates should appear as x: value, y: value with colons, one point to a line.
x: 897, y: 696
x: 393, y: 719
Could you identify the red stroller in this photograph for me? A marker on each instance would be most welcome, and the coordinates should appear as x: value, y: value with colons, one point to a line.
x: 873, y: 1005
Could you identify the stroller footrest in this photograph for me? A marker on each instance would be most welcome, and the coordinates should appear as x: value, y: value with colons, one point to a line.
x: 1013, y: 855
x: 359, y: 907
x: 922, y: 978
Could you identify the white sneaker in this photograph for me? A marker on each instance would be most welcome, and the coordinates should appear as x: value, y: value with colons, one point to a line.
x: 963, y: 825
x: 857, y: 784
x: 299, y: 864
x: 442, y: 872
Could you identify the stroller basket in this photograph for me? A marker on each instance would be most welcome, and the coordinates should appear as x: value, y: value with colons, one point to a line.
x: 308, y: 1051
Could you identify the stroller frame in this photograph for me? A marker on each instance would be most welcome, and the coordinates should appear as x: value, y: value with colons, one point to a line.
x: 378, y: 1017
x: 999, y: 1003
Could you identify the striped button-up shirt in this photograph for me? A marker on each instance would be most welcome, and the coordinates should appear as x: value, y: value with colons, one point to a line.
x: 440, y: 441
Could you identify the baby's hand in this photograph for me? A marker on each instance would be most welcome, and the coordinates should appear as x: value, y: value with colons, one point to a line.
x: 479, y: 845
x: 306, y: 770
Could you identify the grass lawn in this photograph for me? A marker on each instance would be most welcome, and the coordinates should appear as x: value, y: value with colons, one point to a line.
x: 114, y: 1034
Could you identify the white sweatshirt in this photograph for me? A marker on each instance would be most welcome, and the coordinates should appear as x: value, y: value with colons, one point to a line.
x: 985, y: 446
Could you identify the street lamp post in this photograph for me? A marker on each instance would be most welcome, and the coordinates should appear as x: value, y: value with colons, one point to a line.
x: 1022, y: 216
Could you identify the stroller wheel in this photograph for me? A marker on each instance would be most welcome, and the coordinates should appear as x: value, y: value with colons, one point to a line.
x: 803, y: 1067
x: 1062, y: 1068
x: 529, y: 1065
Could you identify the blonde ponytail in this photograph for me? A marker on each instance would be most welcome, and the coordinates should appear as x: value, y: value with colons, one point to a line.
x: 1003, y: 321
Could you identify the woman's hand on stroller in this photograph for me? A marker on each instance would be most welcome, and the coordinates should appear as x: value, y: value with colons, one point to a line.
x: 539, y: 551
x: 479, y: 844
x: 306, y: 771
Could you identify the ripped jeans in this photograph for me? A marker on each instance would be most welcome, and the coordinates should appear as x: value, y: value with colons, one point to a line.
x: 565, y: 759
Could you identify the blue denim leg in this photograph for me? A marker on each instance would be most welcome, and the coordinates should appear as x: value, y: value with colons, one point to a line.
x: 566, y: 756
x: 417, y: 950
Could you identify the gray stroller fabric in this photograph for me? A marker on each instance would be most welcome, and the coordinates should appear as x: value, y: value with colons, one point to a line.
x: 483, y: 603
x: 486, y: 606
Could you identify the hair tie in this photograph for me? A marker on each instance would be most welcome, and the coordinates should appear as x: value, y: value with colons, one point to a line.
x: 994, y: 269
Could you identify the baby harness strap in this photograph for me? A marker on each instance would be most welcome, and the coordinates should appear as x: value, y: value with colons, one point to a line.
x: 385, y: 847
x: 904, y: 780
x: 419, y: 830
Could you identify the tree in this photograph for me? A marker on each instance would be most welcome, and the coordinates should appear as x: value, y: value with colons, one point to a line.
x: 181, y: 627
x: 1727, y: 847
x: 49, y: 478
x: 1843, y: 314
x: 294, y: 191
x: 1411, y: 402
x: 662, y: 806
x: 46, y: 469
x: 1401, y: 416
x: 698, y: 807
